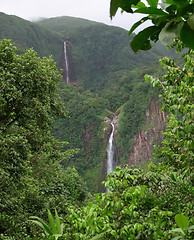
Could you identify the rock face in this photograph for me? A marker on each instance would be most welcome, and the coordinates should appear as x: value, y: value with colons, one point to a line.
x: 150, y: 135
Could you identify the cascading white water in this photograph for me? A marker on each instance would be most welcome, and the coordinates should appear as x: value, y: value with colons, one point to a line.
x: 66, y: 61
x: 110, y: 152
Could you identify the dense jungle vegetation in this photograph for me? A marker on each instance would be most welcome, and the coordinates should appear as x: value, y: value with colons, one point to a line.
x: 52, y: 138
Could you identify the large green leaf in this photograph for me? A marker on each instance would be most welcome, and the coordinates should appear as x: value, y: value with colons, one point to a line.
x: 58, y: 224
x: 114, y: 5
x: 187, y: 36
x: 52, y: 222
x: 137, y: 24
x: 181, y: 3
x: 182, y: 221
x: 41, y: 224
x: 170, y: 32
x: 139, y: 5
x: 177, y: 2
x: 142, y: 40
x: 126, y: 5
x: 153, y: 3
x: 190, y: 21
x: 151, y: 10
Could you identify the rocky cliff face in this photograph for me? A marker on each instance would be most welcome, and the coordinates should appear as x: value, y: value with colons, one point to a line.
x: 150, y: 135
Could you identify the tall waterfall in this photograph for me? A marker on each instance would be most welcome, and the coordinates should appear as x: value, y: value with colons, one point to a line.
x: 66, y: 61
x: 110, y: 151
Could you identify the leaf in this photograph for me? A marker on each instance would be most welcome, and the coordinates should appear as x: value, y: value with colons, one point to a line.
x: 139, y: 5
x: 172, y: 175
x: 191, y: 227
x: 52, y: 222
x: 180, y: 3
x: 52, y: 238
x: 176, y: 238
x: 126, y: 5
x: 58, y: 225
x: 153, y: 3
x: 114, y: 5
x: 137, y: 24
x: 190, y: 21
x: 187, y: 36
x: 150, y: 10
x: 179, y: 230
x: 56, y: 236
x: 98, y: 236
x: 41, y: 224
x: 170, y: 32
x: 142, y: 40
x: 182, y: 221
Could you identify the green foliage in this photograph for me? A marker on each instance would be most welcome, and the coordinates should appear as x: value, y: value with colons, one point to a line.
x: 177, y: 95
x: 132, y: 116
x: 26, y: 105
x: 101, y: 53
x: 170, y: 18
x: 26, y: 34
x: 65, y: 25
x: 141, y: 205
x: 82, y: 130
x: 104, y: 69
x: 184, y: 231
x: 31, y: 178
x: 55, y: 228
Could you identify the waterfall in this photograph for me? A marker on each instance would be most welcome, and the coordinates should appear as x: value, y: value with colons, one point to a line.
x: 66, y: 62
x: 110, y: 152
x: 112, y: 157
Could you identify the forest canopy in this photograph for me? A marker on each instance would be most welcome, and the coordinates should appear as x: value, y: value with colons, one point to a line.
x: 31, y: 178
x: 152, y: 203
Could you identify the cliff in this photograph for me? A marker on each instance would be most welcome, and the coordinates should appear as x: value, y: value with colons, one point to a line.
x: 150, y: 135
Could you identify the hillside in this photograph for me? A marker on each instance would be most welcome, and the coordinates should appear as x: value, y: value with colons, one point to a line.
x: 107, y: 80
x: 96, y: 51
x: 65, y: 25
x: 26, y: 34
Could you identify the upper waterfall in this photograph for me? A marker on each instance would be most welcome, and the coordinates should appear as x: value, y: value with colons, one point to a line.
x: 66, y: 62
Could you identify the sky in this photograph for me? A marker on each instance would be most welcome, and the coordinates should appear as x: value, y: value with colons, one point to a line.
x: 95, y: 10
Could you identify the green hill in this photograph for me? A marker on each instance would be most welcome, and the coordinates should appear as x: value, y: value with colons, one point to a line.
x: 95, y: 50
x: 26, y: 34
x: 65, y: 25
x: 108, y: 78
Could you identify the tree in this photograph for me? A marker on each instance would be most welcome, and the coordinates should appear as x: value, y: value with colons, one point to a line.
x: 141, y: 205
x: 31, y: 178
x: 28, y: 102
x: 170, y: 19
x: 177, y: 96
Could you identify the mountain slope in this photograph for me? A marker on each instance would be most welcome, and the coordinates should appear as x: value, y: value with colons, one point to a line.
x: 95, y: 50
x: 26, y: 34
x: 100, y: 61
x: 65, y: 25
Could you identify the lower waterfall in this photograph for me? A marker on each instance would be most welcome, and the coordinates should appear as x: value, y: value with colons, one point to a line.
x: 110, y: 152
